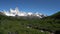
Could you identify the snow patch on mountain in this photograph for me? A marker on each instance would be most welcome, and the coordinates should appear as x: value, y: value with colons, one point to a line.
x: 19, y: 13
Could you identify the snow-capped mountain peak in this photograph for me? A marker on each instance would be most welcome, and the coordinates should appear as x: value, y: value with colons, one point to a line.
x: 19, y: 13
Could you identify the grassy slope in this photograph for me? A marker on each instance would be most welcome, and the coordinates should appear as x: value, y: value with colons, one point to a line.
x: 19, y: 25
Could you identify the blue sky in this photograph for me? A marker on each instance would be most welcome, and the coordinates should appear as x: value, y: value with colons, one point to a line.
x: 48, y: 7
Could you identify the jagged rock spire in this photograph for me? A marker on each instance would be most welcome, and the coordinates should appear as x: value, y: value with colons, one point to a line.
x: 18, y: 13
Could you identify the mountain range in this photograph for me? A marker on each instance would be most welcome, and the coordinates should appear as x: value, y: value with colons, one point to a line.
x: 14, y: 25
x: 16, y: 12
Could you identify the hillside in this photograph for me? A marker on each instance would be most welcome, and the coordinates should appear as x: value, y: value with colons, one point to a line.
x: 53, y: 19
x: 15, y: 25
x: 56, y: 15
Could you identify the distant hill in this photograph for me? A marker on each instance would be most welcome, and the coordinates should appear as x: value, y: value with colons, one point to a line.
x: 56, y: 15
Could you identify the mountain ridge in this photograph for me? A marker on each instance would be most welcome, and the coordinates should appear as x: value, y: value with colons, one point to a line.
x: 16, y: 12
